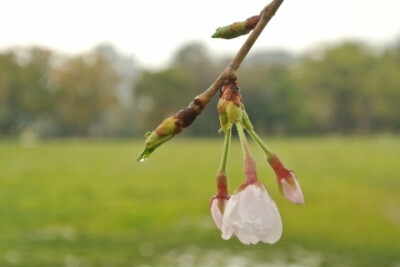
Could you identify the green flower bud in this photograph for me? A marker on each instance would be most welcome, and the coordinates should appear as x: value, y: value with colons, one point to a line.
x: 230, y: 105
x: 165, y: 131
x: 236, y: 29
x: 170, y: 127
x: 167, y: 127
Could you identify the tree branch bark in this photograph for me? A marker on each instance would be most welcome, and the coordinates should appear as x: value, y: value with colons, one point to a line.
x: 230, y: 71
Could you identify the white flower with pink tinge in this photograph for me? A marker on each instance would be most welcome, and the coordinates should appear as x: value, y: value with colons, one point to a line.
x: 252, y: 216
x: 290, y: 188
x: 287, y: 181
x: 218, y: 202
x: 217, y: 210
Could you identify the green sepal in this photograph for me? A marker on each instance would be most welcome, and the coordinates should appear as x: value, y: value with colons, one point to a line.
x: 165, y: 131
x: 226, y: 125
x: 152, y: 142
x: 233, y: 112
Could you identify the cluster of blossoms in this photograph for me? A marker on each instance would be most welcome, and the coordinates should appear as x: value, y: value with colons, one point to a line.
x: 250, y: 214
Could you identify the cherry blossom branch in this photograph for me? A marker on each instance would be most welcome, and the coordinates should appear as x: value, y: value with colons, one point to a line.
x: 185, y: 117
x: 230, y: 71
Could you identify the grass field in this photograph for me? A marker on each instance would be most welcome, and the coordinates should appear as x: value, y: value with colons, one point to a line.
x: 88, y: 203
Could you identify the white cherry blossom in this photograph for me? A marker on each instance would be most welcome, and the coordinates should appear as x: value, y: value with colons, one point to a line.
x: 252, y: 216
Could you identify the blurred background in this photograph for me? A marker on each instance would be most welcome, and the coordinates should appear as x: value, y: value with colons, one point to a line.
x: 80, y: 84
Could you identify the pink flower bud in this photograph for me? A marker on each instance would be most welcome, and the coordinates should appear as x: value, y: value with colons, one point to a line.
x: 287, y: 181
x: 219, y: 201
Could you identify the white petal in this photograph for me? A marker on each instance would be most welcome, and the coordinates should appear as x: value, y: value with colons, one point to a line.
x: 275, y: 232
x: 246, y: 238
x: 230, y: 215
x: 269, y: 212
x: 216, y: 213
x: 231, y: 205
x: 250, y: 205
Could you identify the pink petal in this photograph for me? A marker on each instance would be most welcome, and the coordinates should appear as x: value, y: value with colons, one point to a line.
x: 290, y: 188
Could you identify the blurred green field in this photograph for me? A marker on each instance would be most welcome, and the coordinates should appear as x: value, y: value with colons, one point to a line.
x: 88, y: 203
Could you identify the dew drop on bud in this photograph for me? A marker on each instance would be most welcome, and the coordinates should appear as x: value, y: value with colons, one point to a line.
x: 144, y: 155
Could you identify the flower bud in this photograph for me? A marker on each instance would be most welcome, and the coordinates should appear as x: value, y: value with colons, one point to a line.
x: 165, y: 131
x: 170, y: 127
x: 236, y: 29
x: 287, y: 181
x: 219, y: 201
x: 230, y: 105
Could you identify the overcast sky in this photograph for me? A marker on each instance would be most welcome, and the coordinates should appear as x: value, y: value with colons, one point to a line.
x: 151, y: 31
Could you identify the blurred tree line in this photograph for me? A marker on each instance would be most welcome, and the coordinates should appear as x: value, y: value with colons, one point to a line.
x: 348, y: 88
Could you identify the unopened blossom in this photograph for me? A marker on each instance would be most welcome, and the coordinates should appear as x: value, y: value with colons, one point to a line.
x: 171, y: 126
x: 236, y: 29
x: 219, y: 201
x: 252, y: 216
x: 287, y: 181
x: 230, y: 105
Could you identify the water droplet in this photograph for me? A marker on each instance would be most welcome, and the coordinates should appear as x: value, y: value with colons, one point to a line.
x: 143, y: 156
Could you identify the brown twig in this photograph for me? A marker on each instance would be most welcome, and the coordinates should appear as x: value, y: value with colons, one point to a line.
x: 230, y: 71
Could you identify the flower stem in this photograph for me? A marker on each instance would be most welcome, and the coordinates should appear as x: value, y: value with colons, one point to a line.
x: 243, y: 140
x: 227, y: 141
x: 222, y: 179
x: 268, y: 151
x: 249, y: 163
